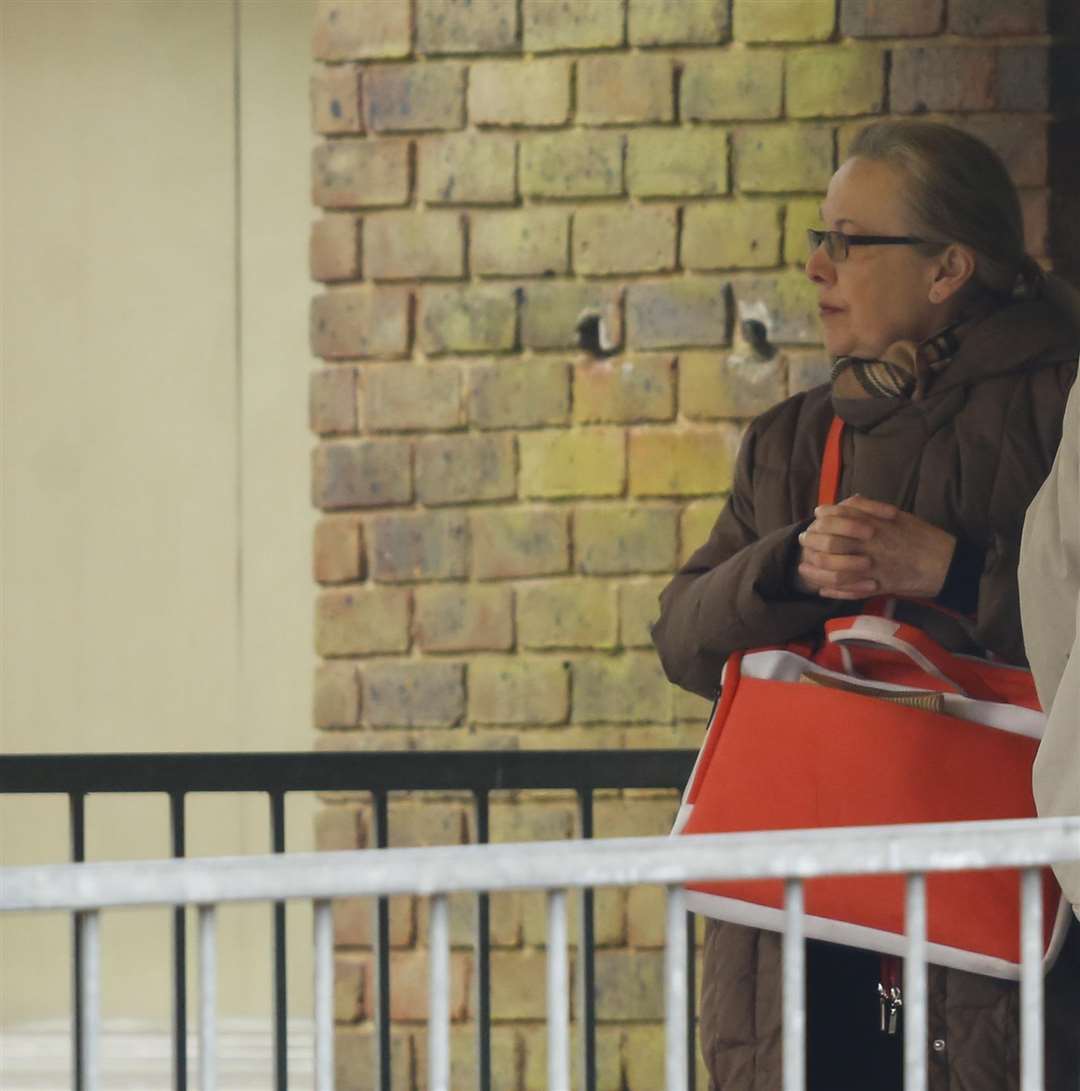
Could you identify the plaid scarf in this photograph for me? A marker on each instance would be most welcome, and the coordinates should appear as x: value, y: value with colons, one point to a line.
x: 904, y: 370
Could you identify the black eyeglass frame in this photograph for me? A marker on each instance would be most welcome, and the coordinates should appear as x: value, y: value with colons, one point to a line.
x: 837, y: 243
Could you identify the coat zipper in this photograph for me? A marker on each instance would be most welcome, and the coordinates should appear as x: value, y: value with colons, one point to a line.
x: 890, y: 999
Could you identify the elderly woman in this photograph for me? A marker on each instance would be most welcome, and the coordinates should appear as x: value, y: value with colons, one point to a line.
x: 951, y: 374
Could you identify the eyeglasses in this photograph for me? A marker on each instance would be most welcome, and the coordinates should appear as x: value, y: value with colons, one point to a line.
x: 837, y: 243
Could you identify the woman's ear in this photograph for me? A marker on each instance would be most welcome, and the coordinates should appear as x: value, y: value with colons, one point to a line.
x: 954, y: 267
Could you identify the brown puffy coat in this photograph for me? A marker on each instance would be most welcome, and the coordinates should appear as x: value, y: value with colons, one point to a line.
x: 968, y: 458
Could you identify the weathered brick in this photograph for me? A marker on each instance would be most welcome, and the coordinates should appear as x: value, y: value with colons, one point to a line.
x: 888, y: 19
x: 783, y: 157
x: 624, y: 240
x: 1021, y: 142
x: 786, y: 303
x: 618, y: 539
x: 338, y: 553
x: 518, y: 394
x: 942, y: 78
x: 504, y: 920
x: 350, y: 984
x: 609, y: 912
x: 354, y: 922
x: 505, y: 1057
x: 731, y: 234
x: 412, y: 397
x: 355, y: 1051
x: 507, y: 543
x: 694, y: 462
x: 678, y: 22
x: 733, y: 85
x: 340, y: 828
x: 414, y: 97
x: 784, y: 20
x: 677, y: 162
x: 572, y: 164
x: 464, y: 617
x: 621, y: 88
x: 426, y: 545
x: 360, y: 173
x: 348, y: 29
x: 997, y: 17
x: 629, y: 688
x: 697, y: 521
x: 418, y: 694
x: 571, y: 613
x: 522, y: 690
x: 534, y: 93
x: 466, y: 26
x: 362, y: 621
x: 835, y: 81
x: 336, y: 700
x: 409, y: 975
x: 645, y: 1053
x: 1022, y: 78
x: 474, y: 168
x: 365, y: 474
x: 588, y: 462
x: 550, y: 312
x: 632, y: 816
x: 414, y: 245
x: 572, y: 24
x: 609, y: 1041
x: 807, y: 370
x: 332, y: 402
x: 801, y: 213
x: 415, y: 822
x: 515, y: 989
x: 359, y: 322
x: 529, y: 818
x: 469, y: 319
x: 731, y: 385
x: 689, y: 706
x: 638, y: 609
x: 629, y: 986
x: 672, y: 313
x: 457, y: 469
x: 335, y: 99
x: 630, y: 388
x: 530, y: 242
x: 334, y: 249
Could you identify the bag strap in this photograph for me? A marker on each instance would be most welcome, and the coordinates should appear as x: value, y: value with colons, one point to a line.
x: 829, y: 482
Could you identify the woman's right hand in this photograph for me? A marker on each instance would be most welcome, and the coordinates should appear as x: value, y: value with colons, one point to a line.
x: 832, y: 555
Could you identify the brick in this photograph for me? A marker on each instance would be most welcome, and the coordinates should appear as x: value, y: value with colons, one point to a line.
x: 629, y: 688
x: 786, y: 303
x: 942, y: 78
x: 571, y: 613
x: 338, y: 553
x: 550, y: 312
x: 354, y: 922
x: 633, y: 816
x: 1020, y: 142
x: 697, y: 521
x: 835, y: 81
x: 731, y: 234
x: 629, y: 986
x: 571, y: 24
x: 782, y: 158
x: 609, y: 1041
x: 888, y: 19
x: 522, y: 690
x: 470, y: 319
x: 505, y: 1051
x: 672, y: 313
x: 414, y: 245
x: 784, y: 20
x: 356, y: 1052
x: 531, y: 242
x: 466, y: 26
x: 800, y: 214
x: 412, y: 397
x: 340, y: 828
x: 426, y: 545
x: 529, y: 818
x: 504, y: 919
x: 677, y: 162
x: 624, y: 240
x: 644, y: 1056
x: 416, y: 822
x: 618, y: 539
x: 352, y: 29
x: 360, y: 322
x: 350, y: 984
x: 509, y: 543
x: 729, y: 385
x: 464, y: 617
x: 609, y: 917
x: 678, y: 22
x: 458, y: 469
x: 997, y: 17
x: 807, y: 370
x: 515, y: 985
x: 334, y: 249
x: 368, y: 473
x: 620, y: 88
x: 409, y: 976
x: 415, y: 97
x: 367, y: 173
x: 362, y: 621
x: 638, y: 609
x: 689, y: 706
x: 694, y: 462
x: 631, y: 388
x: 533, y: 93
x: 420, y: 694
x: 336, y: 699
x: 588, y: 462
x: 515, y: 394
x: 1022, y: 78
x: 473, y: 168
x: 733, y: 85
x: 332, y: 405
x: 335, y: 99
x: 572, y: 164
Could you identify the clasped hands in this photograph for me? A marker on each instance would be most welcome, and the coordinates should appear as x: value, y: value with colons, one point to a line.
x: 862, y: 547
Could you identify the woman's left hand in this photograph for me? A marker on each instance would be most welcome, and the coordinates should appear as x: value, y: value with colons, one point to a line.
x: 908, y: 555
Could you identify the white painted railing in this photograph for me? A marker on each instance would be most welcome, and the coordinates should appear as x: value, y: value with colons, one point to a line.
x: 556, y: 867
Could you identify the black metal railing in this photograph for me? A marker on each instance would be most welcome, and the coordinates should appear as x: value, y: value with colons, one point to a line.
x: 479, y: 773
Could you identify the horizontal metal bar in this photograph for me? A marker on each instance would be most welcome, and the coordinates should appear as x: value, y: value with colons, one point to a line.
x: 625, y: 861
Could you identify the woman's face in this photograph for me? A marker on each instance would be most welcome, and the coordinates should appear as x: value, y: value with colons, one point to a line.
x: 879, y: 294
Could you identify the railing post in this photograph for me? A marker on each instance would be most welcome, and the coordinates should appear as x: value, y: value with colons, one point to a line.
x: 676, y: 989
x: 587, y: 955
x: 558, y: 998
x: 180, y: 1081
x: 77, y: 817
x: 382, y: 949
x: 1031, y: 981
x: 794, y: 977
x: 439, y: 994
x: 281, y: 993
x: 915, y: 1005
x: 207, y: 998
x: 90, y: 1007
x: 483, y: 958
x: 324, y: 996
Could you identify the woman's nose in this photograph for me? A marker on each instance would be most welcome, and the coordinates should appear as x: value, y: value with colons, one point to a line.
x: 819, y: 266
